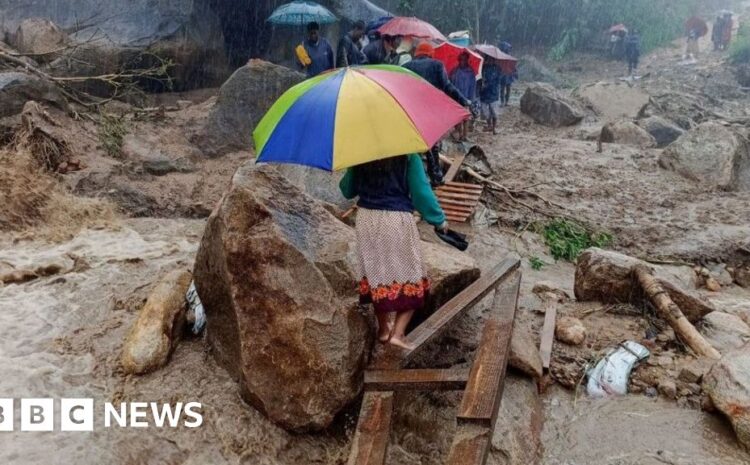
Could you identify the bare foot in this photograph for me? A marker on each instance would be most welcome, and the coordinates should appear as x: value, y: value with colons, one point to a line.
x: 398, y: 342
x: 385, y: 336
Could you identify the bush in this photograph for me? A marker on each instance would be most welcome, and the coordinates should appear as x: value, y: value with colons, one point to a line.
x: 739, y: 51
x: 567, y: 239
x: 112, y: 131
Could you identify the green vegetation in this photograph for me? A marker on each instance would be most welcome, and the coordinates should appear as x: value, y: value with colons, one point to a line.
x: 536, y: 263
x: 112, y: 130
x: 567, y: 239
x: 739, y: 50
x: 561, y: 25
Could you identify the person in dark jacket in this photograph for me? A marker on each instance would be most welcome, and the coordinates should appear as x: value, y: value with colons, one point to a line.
x: 489, y: 92
x: 391, y: 268
x: 383, y: 51
x: 632, y: 50
x: 319, y: 52
x: 465, y: 80
x: 434, y: 72
x: 350, y: 47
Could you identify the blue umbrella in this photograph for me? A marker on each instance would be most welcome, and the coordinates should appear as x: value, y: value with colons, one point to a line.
x: 301, y: 12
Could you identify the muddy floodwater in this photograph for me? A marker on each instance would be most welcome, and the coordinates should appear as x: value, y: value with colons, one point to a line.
x: 633, y: 430
x: 62, y: 336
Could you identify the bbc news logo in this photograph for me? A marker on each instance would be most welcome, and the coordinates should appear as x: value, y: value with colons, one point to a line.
x: 80, y: 415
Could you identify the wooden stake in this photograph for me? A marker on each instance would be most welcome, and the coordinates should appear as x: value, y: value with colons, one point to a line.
x: 671, y: 312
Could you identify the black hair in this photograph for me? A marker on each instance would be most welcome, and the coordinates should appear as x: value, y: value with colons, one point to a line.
x: 359, y: 25
x: 313, y: 26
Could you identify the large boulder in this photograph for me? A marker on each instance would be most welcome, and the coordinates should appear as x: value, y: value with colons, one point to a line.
x: 613, y: 101
x: 531, y: 69
x: 710, y: 154
x: 725, y: 331
x: 627, y: 133
x: 548, y: 106
x: 606, y: 276
x: 243, y: 100
x: 518, y: 429
x: 277, y: 276
x: 664, y: 131
x: 40, y: 37
x: 728, y: 386
x: 17, y: 88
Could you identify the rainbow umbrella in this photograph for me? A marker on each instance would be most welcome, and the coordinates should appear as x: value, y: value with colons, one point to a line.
x: 352, y: 116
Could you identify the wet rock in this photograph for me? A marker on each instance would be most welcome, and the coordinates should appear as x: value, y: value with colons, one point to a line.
x: 627, y: 133
x: 316, y: 183
x: 524, y: 350
x: 742, y: 73
x: 663, y: 131
x: 693, y: 371
x: 40, y: 37
x: 725, y: 331
x: 531, y: 69
x: 742, y: 276
x: 548, y: 106
x: 156, y: 332
x: 614, y: 101
x: 18, y: 276
x: 710, y: 154
x: 18, y: 88
x: 712, y: 284
x: 728, y: 386
x: 543, y: 288
x: 721, y: 275
x: 161, y: 166
x: 243, y: 100
x: 518, y: 429
x: 570, y: 330
x: 277, y: 276
x: 605, y: 276
x: 668, y: 389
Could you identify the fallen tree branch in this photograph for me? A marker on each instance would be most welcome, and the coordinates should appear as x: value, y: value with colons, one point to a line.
x: 668, y: 310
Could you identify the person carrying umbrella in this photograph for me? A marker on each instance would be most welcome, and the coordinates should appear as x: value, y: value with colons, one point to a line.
x: 393, y: 275
x: 434, y: 72
x: 465, y: 80
x: 633, y: 50
x: 489, y: 92
x: 315, y: 54
x: 508, y: 76
x: 350, y: 47
x: 383, y: 51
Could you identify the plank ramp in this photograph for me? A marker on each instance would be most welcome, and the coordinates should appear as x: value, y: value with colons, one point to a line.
x: 459, y: 200
x: 371, y: 438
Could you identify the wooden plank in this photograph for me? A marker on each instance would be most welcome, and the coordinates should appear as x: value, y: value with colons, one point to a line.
x: 548, y: 332
x: 455, y: 208
x: 456, y: 163
x: 370, y: 443
x: 453, y: 195
x: 471, y: 445
x: 416, y: 380
x: 391, y: 357
x: 481, y: 400
x: 460, y: 189
x: 460, y: 203
x: 466, y: 185
x: 457, y: 219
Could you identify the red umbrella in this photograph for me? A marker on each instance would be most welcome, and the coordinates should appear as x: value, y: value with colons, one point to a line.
x: 697, y: 24
x: 448, y: 53
x: 507, y: 62
x: 414, y: 27
x: 618, y: 28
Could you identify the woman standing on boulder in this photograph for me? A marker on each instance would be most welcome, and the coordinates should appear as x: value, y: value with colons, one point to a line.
x: 388, y: 243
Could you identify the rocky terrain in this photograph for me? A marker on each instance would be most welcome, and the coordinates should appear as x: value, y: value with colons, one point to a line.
x: 105, y: 214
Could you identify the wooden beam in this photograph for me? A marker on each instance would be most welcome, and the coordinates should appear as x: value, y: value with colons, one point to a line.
x: 416, y: 380
x: 481, y: 400
x: 471, y: 445
x: 392, y: 357
x: 456, y: 163
x: 370, y: 443
x: 548, y: 333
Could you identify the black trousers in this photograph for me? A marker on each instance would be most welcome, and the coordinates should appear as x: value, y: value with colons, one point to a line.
x: 434, y: 171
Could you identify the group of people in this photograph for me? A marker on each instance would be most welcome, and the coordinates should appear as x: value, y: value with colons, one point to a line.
x: 721, y: 34
x: 315, y: 55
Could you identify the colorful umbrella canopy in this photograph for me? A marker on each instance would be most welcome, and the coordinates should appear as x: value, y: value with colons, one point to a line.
x: 410, y: 26
x: 698, y: 25
x: 300, y: 13
x: 448, y: 53
x: 352, y: 116
x: 507, y: 62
